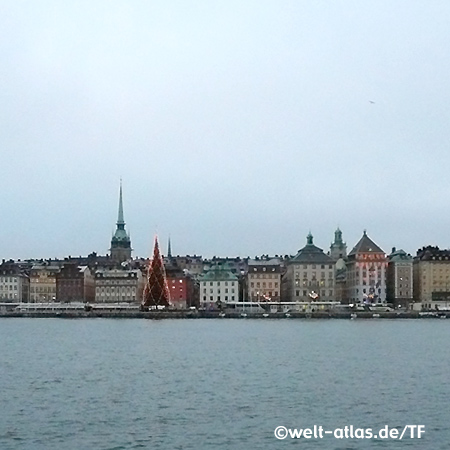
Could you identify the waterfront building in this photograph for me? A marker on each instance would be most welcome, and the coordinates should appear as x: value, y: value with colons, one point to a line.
x: 120, y: 242
x: 431, y: 268
x: 263, y: 280
x: 75, y: 283
x: 310, y: 275
x: 366, y: 272
x: 14, y: 282
x: 217, y: 285
x: 118, y: 285
x: 181, y: 286
x: 43, y: 281
x: 399, y: 278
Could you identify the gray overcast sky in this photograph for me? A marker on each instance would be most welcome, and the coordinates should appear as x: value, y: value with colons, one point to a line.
x: 237, y: 126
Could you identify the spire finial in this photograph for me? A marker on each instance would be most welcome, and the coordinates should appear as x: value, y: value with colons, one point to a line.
x: 309, y: 238
x: 120, y: 219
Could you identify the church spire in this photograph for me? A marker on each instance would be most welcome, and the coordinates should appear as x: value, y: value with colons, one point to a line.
x: 169, y: 249
x: 120, y: 242
x: 120, y: 219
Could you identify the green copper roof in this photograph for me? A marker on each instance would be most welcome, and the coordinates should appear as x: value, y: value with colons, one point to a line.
x: 120, y: 234
x: 219, y: 273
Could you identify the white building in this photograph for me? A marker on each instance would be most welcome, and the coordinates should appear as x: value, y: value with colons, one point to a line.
x: 14, y: 283
x: 218, y: 284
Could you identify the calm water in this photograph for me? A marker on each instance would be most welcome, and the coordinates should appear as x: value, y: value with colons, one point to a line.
x: 219, y: 384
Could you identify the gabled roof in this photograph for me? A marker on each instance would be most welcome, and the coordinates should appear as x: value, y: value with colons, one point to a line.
x: 310, y: 254
x: 365, y: 245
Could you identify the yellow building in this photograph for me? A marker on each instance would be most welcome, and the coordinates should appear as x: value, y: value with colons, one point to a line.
x: 43, y: 282
x: 431, y: 274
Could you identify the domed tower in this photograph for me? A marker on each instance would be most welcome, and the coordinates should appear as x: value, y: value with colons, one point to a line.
x: 338, y: 248
x: 120, y: 242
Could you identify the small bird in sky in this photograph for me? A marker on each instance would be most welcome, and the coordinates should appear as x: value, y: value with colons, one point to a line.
x: 370, y: 101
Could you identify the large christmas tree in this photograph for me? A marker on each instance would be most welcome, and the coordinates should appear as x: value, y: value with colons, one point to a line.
x: 156, y: 291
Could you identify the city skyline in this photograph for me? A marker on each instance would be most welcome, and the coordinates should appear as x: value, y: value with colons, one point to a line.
x: 237, y: 128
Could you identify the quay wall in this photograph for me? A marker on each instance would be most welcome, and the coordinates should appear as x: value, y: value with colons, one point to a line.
x: 216, y: 315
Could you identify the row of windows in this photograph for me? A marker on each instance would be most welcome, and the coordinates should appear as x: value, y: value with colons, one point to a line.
x: 258, y: 294
x: 364, y: 291
x: 313, y: 274
x: 211, y: 298
x: 113, y: 289
x: 264, y: 275
x: 264, y: 284
x: 44, y: 289
x: 314, y: 266
x: 116, y: 282
x: 313, y: 282
x: 263, y: 269
x: 10, y: 296
x: 8, y: 279
x: 104, y: 294
x: 218, y: 291
x: 10, y: 288
x: 218, y: 283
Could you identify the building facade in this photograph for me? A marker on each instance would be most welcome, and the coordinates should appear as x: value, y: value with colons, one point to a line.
x: 117, y: 286
x: 431, y: 268
x: 263, y: 280
x: 218, y: 285
x: 43, y: 282
x: 75, y: 283
x: 399, y: 278
x: 14, y: 282
x: 310, y: 275
x: 366, y: 272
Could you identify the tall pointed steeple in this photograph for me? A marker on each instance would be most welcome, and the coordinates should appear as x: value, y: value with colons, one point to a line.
x: 169, y: 249
x: 120, y: 220
x: 120, y: 242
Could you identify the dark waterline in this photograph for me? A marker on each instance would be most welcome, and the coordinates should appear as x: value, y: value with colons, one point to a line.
x: 215, y: 384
